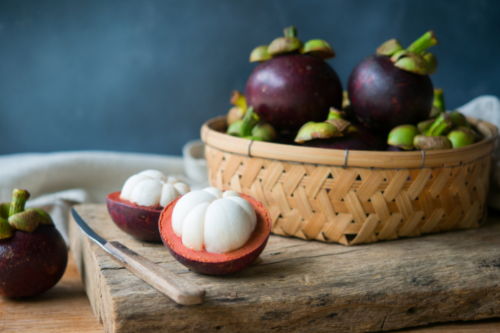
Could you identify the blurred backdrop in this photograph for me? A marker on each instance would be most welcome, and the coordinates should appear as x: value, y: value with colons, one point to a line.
x: 143, y: 76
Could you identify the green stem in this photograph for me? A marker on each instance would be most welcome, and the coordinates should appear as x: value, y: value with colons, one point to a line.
x: 440, y: 126
x: 290, y: 31
x: 439, y: 99
x: 19, y: 198
x: 250, y: 119
x: 423, y: 43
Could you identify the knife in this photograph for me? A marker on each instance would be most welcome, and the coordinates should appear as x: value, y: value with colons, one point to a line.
x: 177, y: 288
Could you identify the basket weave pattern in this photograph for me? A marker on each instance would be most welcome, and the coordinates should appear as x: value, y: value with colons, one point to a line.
x: 356, y: 205
x: 352, y: 205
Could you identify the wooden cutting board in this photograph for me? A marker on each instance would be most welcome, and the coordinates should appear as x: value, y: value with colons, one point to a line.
x: 301, y: 286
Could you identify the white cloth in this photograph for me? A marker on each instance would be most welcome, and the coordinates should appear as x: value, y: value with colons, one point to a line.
x: 58, y: 180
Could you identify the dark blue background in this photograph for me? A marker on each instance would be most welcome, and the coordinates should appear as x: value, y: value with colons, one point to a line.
x: 144, y: 75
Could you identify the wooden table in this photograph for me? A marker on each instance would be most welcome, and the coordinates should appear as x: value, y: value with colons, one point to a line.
x: 66, y: 308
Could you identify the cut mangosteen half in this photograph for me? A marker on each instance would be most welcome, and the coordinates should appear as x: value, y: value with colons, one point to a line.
x: 217, y: 263
x: 137, y: 221
x: 136, y: 209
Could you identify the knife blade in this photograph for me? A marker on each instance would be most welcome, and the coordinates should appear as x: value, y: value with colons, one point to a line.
x: 177, y: 288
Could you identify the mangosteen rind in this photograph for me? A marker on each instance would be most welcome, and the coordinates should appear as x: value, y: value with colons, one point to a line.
x: 34, y: 257
x: 32, y: 263
x: 384, y: 96
x: 290, y: 90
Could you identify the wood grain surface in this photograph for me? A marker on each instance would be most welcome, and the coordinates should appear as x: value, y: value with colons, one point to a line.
x: 66, y: 308
x: 303, y: 286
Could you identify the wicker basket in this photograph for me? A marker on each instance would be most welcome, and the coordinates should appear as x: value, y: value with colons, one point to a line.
x: 353, y: 197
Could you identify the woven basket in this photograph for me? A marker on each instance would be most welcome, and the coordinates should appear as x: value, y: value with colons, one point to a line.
x: 353, y: 197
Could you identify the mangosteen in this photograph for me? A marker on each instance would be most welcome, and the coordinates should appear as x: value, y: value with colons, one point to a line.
x: 33, y: 254
x: 215, y: 232
x: 137, y: 208
x: 393, y: 87
x: 293, y: 84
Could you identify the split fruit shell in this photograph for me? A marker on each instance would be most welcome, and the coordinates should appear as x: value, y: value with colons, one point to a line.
x: 217, y: 263
x: 138, y: 221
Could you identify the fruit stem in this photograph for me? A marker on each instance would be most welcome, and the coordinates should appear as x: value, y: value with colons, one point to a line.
x: 424, y: 42
x: 440, y: 126
x: 250, y: 119
x: 19, y: 198
x: 439, y: 99
x: 291, y: 31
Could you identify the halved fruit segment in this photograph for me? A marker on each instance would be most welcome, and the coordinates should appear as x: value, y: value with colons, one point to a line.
x: 137, y: 221
x: 217, y: 263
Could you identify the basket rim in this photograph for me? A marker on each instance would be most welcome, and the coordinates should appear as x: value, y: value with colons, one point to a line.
x: 355, y: 158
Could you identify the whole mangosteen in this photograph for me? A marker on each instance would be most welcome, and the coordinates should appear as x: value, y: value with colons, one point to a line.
x: 393, y: 87
x: 33, y: 255
x: 293, y: 84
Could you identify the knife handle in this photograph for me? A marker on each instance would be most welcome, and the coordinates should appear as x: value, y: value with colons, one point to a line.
x: 177, y: 288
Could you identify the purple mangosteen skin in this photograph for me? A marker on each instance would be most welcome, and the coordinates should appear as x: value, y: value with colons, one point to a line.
x: 394, y: 148
x: 339, y: 143
x: 366, y: 135
x: 224, y: 268
x: 290, y: 90
x: 139, y: 222
x: 31, y: 263
x: 384, y: 96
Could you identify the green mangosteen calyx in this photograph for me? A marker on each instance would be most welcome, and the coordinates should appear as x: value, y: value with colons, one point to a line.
x: 260, y: 54
x: 263, y: 131
x: 238, y: 110
x: 414, y: 58
x: 318, y: 48
x: 6, y: 231
x: 336, y: 114
x: 289, y: 43
x: 13, y: 216
x: 457, y: 119
x: 389, y: 48
x: 402, y: 137
x: 331, y: 128
x: 252, y: 128
x: 462, y: 137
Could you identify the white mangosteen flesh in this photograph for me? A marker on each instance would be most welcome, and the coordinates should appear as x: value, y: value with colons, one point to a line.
x: 215, y: 191
x: 147, y: 193
x: 211, y: 220
x: 168, y: 194
x: 154, y: 174
x: 193, y: 227
x: 152, y: 188
x: 130, y: 184
x: 185, y: 205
